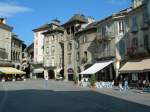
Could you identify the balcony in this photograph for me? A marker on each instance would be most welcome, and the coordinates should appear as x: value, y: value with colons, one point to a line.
x: 134, y: 29
x: 145, y: 26
x: 50, y: 65
x: 105, y: 54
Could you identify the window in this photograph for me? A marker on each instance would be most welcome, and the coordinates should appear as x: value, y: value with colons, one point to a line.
x: 121, y: 26
x: 122, y: 48
x: 145, y: 17
x: 85, y: 54
x: 53, y: 50
x: 69, y: 46
x: 47, y: 40
x: 78, y: 56
x: 69, y: 58
x: 146, y: 42
x: 134, y: 22
x: 68, y: 31
x: 72, y: 29
x: 47, y: 50
x: 134, y: 43
x: 85, y: 38
x: 53, y: 37
x: 103, y: 30
x: 77, y: 44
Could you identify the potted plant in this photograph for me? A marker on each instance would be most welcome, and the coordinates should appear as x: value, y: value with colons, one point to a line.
x: 75, y: 80
x: 13, y: 79
x: 3, y: 79
x: 93, y: 80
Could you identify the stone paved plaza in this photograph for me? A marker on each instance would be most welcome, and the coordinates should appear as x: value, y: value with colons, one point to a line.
x: 31, y: 96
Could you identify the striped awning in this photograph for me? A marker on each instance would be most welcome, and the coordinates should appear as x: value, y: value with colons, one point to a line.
x: 10, y: 70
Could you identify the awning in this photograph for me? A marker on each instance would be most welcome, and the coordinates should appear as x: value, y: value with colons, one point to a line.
x: 96, y: 67
x: 136, y: 66
x: 10, y: 70
x: 38, y: 70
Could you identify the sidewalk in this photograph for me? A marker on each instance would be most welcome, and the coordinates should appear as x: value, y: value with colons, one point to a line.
x: 132, y: 95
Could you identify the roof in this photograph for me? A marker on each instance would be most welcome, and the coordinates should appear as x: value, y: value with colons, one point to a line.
x: 7, y: 27
x: 14, y: 36
x: 92, y: 26
x: 121, y: 13
x: 43, y: 27
x: 76, y: 18
x: 30, y: 46
x: 57, y: 29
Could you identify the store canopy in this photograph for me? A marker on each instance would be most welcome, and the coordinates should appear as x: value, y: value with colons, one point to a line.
x: 38, y: 70
x: 10, y: 70
x: 96, y: 67
x: 136, y: 66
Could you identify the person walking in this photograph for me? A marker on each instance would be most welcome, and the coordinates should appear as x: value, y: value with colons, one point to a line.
x: 46, y: 82
x: 120, y: 86
x: 126, y: 85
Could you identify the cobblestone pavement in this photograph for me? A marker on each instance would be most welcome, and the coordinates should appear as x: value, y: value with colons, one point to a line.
x: 31, y: 96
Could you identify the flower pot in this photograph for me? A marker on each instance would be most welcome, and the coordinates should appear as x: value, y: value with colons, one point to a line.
x: 3, y: 80
x: 13, y: 80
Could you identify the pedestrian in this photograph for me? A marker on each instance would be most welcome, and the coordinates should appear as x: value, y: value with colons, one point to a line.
x: 126, y: 85
x: 46, y: 81
x: 120, y: 86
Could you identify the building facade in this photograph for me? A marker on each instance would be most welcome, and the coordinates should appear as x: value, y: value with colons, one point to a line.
x: 5, y: 43
x: 54, y: 51
x: 138, y: 43
x: 16, y: 51
x: 72, y: 26
x: 39, y: 50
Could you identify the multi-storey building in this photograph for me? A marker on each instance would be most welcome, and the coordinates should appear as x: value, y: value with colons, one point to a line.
x: 85, y: 47
x: 28, y: 60
x: 5, y: 43
x: 16, y: 51
x: 74, y: 25
x: 105, y: 46
x: 38, y: 49
x: 54, y: 51
x: 138, y: 42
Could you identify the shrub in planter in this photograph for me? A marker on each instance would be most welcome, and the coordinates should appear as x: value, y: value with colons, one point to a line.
x: 75, y: 79
x: 93, y: 80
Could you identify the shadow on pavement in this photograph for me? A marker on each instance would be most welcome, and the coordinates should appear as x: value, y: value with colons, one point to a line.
x: 64, y: 101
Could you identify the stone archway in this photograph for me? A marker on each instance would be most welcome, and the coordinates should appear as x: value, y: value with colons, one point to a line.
x: 51, y: 74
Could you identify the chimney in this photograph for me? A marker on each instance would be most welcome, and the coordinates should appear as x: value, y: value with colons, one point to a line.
x: 56, y: 22
x: 90, y: 19
x: 2, y: 20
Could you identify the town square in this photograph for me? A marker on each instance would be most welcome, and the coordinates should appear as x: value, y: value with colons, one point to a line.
x: 91, y: 56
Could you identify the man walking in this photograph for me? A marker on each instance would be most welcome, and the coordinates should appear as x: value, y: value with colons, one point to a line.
x: 46, y: 81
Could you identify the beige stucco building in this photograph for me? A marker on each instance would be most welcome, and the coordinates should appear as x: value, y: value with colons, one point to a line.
x: 16, y: 51
x: 138, y: 43
x: 5, y: 43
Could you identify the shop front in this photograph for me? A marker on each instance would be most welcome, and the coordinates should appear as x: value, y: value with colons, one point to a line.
x: 136, y: 72
x: 70, y: 74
